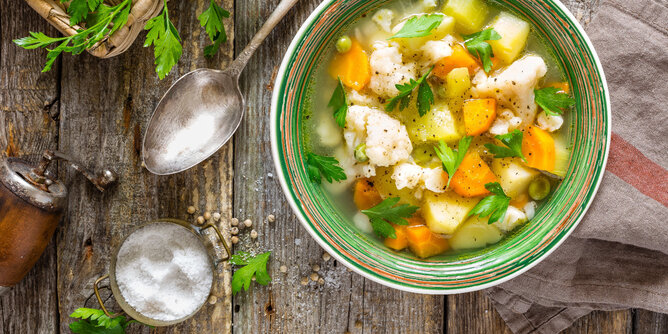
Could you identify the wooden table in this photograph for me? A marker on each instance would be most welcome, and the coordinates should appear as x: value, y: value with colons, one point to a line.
x: 97, y: 110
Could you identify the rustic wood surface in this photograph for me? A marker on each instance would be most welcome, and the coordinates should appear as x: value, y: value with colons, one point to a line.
x: 97, y: 110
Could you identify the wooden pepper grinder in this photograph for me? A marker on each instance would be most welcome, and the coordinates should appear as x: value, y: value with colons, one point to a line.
x: 31, y: 205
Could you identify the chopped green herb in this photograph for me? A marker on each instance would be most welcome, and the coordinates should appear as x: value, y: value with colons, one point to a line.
x: 513, y: 141
x: 212, y: 21
x: 477, y: 46
x: 452, y: 159
x: 495, y: 206
x: 339, y: 102
x: 94, y: 321
x: 320, y: 166
x: 164, y: 37
x: 419, y: 26
x: 552, y: 100
x: 106, y: 23
x: 252, y: 266
x: 425, y: 96
x: 78, y: 10
x: 385, y: 213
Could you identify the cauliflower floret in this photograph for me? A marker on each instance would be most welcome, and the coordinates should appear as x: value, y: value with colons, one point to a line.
x: 357, y: 98
x: 388, y: 69
x: 549, y: 123
x: 514, y: 217
x: 384, y: 19
x: 412, y: 176
x: 428, y: 5
x: 328, y: 131
x: 433, y: 51
x: 530, y: 209
x: 386, y: 139
x: 506, y: 122
x: 352, y: 167
x: 513, y: 87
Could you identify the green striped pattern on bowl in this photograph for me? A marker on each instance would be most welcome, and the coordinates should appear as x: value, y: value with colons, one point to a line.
x: 459, y: 272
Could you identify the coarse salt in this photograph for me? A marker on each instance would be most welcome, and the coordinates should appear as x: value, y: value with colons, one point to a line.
x: 164, y: 272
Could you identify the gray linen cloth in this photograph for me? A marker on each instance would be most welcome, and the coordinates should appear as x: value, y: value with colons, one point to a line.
x: 618, y: 256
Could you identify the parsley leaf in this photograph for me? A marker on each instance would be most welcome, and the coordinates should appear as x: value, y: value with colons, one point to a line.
x: 339, y: 102
x: 452, y: 159
x: 419, y: 26
x: 495, y: 206
x: 320, y: 166
x: 385, y: 213
x: 166, y: 42
x: 477, y: 46
x: 552, y: 100
x: 513, y: 141
x: 425, y: 95
x: 212, y: 21
x: 78, y: 11
x: 95, y: 321
x: 100, y: 29
x: 252, y: 266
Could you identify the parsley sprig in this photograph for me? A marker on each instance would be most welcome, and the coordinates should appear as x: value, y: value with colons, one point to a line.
x: 108, y: 20
x: 212, y: 21
x: 95, y: 321
x: 339, y: 102
x: 553, y: 100
x: 452, y: 159
x: 319, y: 166
x: 419, y: 26
x: 477, y: 46
x: 388, y: 212
x: 78, y: 10
x: 495, y: 206
x: 252, y: 266
x: 425, y: 96
x: 513, y: 142
x: 164, y: 37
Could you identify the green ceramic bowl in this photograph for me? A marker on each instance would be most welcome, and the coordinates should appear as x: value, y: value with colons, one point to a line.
x: 554, y: 220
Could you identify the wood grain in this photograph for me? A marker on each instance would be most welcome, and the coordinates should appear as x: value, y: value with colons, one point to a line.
x: 29, y: 122
x: 97, y: 110
x: 105, y: 107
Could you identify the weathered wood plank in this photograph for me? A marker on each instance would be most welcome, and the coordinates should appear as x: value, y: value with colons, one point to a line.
x: 645, y: 322
x: 29, y: 122
x: 345, y: 302
x: 600, y: 322
x: 473, y: 313
x: 106, y: 105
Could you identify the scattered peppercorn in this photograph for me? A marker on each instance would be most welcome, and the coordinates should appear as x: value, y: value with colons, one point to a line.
x: 283, y: 269
x: 200, y: 220
x: 326, y: 256
x: 314, y: 277
x: 316, y: 267
x: 248, y: 223
x: 235, y: 240
x: 234, y: 222
x: 207, y: 215
x: 216, y: 216
x: 234, y: 231
x: 271, y: 218
x: 191, y: 210
x: 253, y: 234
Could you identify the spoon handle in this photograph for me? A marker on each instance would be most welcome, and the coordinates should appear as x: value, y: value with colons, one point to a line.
x: 238, y: 64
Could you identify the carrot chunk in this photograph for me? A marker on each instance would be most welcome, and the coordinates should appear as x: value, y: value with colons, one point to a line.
x: 401, y: 241
x: 425, y: 243
x: 479, y: 114
x: 538, y: 148
x: 520, y: 201
x: 459, y: 58
x: 352, y: 67
x: 471, y: 176
x: 562, y: 86
x: 365, y: 195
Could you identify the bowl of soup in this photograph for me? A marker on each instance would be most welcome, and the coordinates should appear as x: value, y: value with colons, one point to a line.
x: 440, y: 146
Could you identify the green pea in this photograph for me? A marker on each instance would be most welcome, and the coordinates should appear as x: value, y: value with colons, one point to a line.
x: 360, y: 153
x: 343, y: 44
x: 539, y: 188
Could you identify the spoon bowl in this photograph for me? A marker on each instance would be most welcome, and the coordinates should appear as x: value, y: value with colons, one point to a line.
x: 201, y: 111
x: 195, y: 118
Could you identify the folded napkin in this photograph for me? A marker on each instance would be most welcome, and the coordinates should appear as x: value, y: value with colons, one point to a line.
x: 618, y: 256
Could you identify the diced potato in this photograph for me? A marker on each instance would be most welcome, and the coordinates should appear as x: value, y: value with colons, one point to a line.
x: 562, y: 158
x: 475, y: 233
x: 446, y: 211
x: 514, y: 33
x: 458, y: 82
x: 386, y: 186
x: 447, y: 27
x: 514, y: 217
x: 470, y: 15
x: 513, y: 175
x: 438, y: 124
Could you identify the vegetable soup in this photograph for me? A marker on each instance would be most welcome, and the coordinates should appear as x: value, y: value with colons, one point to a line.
x: 438, y: 126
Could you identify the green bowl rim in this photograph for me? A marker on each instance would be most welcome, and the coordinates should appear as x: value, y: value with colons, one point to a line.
x: 388, y: 281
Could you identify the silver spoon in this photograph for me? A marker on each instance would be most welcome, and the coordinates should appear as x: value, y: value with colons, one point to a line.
x: 201, y: 111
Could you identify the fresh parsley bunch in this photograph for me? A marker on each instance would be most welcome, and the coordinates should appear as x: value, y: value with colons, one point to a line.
x: 94, y: 321
x: 251, y: 266
x: 100, y: 21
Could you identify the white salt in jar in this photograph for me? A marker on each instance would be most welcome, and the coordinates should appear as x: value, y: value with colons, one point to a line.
x: 163, y: 273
